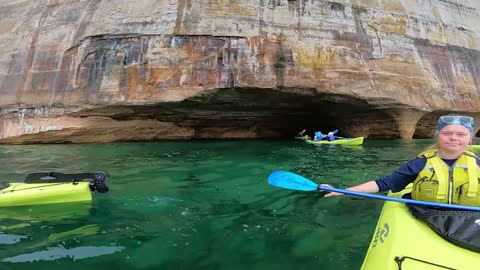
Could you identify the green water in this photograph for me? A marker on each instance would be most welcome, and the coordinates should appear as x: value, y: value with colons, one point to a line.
x: 198, y: 205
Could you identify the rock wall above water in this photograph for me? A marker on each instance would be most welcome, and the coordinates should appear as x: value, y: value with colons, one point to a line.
x: 93, y: 70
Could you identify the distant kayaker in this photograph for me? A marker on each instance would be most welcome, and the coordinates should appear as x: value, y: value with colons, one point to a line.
x: 445, y: 172
x: 331, y: 137
x: 318, y: 136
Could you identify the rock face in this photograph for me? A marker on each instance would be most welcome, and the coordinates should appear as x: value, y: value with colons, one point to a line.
x: 103, y: 71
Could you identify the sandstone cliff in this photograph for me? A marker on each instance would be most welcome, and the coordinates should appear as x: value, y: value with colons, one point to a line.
x: 103, y: 70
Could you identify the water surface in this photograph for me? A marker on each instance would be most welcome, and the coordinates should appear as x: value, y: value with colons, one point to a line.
x: 198, y: 205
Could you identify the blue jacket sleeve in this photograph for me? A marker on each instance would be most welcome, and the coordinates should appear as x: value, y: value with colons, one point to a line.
x: 401, y: 177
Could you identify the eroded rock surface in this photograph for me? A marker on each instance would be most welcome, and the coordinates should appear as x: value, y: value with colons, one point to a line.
x: 102, y: 71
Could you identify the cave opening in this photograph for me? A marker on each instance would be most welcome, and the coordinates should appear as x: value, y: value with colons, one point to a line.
x: 271, y: 113
x: 268, y: 113
x: 260, y: 113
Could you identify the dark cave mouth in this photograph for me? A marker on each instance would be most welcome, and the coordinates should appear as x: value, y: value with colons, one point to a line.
x: 264, y: 113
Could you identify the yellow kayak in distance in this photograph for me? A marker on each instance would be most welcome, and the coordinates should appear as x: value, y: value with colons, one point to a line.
x: 345, y: 141
x: 400, y: 241
x: 51, y: 188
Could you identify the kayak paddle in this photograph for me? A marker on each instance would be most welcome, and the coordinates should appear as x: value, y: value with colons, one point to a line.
x: 289, y: 180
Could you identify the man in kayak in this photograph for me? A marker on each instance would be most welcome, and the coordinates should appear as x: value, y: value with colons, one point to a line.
x: 446, y: 172
x: 330, y: 137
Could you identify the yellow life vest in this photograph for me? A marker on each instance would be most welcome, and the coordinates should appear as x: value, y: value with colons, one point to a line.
x: 438, y: 182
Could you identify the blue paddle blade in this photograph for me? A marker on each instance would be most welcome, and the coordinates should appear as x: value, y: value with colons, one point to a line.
x: 335, y: 131
x: 290, y: 180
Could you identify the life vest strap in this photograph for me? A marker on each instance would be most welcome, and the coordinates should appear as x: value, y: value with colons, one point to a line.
x: 442, y: 177
x: 472, y: 168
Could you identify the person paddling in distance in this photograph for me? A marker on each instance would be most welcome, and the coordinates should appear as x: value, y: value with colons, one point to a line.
x: 318, y: 136
x: 331, y: 137
x: 446, y: 172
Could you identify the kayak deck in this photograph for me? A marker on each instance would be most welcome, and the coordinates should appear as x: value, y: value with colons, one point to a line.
x: 400, y: 241
x: 346, y: 141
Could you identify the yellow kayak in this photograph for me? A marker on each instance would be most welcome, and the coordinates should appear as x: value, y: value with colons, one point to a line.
x: 400, y: 241
x: 29, y: 194
x: 50, y: 188
x: 345, y: 141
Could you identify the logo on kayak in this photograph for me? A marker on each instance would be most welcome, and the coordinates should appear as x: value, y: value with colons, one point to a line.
x: 381, y: 234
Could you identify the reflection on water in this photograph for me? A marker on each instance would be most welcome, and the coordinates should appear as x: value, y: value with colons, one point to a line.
x: 82, y: 231
x: 198, y: 205
x: 8, y: 239
x: 56, y: 253
x: 43, y: 213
